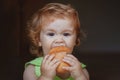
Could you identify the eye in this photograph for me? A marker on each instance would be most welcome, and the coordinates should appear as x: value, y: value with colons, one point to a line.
x: 50, y: 34
x: 66, y: 34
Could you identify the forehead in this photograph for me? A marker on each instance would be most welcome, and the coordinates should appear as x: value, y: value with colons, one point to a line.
x: 60, y: 25
x: 57, y: 21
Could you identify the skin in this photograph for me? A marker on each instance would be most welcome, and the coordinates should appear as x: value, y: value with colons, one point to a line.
x: 59, y: 32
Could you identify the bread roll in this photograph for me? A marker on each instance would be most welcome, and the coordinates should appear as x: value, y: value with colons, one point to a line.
x: 60, y: 52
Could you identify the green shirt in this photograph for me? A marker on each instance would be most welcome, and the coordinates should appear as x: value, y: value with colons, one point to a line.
x: 37, y: 63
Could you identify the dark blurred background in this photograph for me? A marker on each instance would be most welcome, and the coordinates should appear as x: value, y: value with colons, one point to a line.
x: 100, y: 19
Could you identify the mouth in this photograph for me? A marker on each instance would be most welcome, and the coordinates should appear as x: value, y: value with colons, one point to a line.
x: 60, y: 49
x: 57, y: 46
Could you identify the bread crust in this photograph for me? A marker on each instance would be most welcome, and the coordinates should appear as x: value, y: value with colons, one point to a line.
x: 59, y: 49
x: 60, y: 52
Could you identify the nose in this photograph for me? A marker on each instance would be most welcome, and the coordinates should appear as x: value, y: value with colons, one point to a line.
x: 59, y: 41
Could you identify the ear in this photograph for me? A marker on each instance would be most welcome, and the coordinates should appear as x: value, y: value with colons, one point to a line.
x: 78, y: 41
x: 39, y: 43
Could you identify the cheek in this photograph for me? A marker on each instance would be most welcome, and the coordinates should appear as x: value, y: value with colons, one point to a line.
x: 46, y: 43
x: 44, y: 39
x: 71, y: 42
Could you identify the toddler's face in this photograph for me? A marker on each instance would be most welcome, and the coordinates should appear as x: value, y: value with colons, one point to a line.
x: 59, y: 32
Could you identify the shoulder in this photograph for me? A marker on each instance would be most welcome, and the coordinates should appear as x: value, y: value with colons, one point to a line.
x: 29, y: 73
x: 36, y: 62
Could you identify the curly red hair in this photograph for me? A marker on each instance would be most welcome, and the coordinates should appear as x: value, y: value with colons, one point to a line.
x: 51, y: 10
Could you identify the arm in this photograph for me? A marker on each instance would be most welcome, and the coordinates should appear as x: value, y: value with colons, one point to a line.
x: 84, y: 76
x: 86, y: 73
x: 48, y: 69
x: 29, y: 74
x: 77, y: 72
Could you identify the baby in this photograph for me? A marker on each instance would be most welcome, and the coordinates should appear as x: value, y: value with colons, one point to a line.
x: 52, y: 26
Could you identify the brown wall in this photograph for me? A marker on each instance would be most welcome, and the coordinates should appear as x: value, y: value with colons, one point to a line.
x: 10, y: 68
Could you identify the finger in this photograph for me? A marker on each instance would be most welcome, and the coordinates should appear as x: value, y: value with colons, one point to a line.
x: 73, y: 57
x: 67, y: 68
x: 70, y: 58
x: 45, y: 58
x: 55, y: 63
x: 69, y: 61
x: 49, y: 59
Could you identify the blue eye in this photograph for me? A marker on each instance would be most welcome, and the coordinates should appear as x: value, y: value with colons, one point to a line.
x: 66, y: 34
x: 50, y: 34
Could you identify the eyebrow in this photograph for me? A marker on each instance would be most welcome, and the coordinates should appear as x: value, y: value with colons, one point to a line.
x: 69, y: 30
x: 48, y: 29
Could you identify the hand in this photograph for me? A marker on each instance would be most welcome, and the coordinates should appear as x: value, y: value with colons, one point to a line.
x: 48, y: 67
x: 75, y: 68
